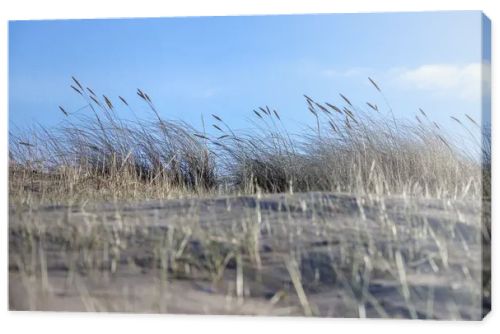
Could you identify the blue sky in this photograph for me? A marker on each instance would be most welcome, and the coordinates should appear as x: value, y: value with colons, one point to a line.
x: 231, y: 65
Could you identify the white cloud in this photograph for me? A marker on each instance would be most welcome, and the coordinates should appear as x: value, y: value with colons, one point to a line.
x: 459, y: 82
x: 463, y: 82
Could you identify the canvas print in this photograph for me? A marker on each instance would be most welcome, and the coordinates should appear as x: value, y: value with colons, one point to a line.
x: 332, y: 165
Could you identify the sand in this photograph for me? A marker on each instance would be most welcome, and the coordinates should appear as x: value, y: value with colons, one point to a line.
x: 320, y: 254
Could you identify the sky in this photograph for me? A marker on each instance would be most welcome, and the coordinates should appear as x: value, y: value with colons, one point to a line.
x: 196, y: 66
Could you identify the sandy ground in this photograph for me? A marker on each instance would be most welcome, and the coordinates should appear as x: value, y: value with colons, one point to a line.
x: 353, y: 256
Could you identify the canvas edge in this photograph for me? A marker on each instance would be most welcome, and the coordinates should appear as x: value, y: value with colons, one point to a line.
x: 486, y: 164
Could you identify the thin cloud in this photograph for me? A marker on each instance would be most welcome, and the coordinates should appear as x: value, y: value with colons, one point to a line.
x: 463, y: 82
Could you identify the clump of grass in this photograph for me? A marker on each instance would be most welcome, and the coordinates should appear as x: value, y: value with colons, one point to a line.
x: 265, y: 158
x: 98, y: 149
x: 351, y: 148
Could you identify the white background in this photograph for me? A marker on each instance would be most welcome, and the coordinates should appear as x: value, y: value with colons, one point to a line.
x: 20, y: 322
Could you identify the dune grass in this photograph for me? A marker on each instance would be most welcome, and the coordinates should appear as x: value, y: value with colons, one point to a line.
x: 355, y: 149
x: 385, y: 216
